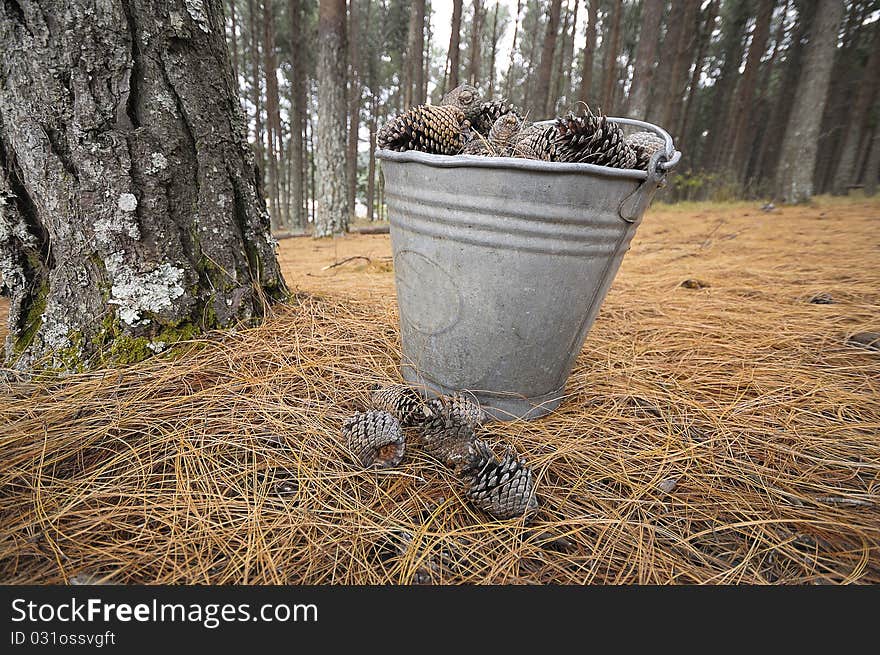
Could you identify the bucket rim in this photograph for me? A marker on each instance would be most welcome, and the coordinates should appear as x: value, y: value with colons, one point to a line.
x: 665, y: 162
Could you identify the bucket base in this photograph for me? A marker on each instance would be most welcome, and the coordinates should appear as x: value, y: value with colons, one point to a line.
x: 498, y: 406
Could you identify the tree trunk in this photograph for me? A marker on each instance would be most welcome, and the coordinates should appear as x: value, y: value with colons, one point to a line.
x: 568, y: 56
x: 371, y: 172
x: 646, y: 54
x: 559, y: 60
x: 332, y: 190
x: 476, y: 50
x: 273, y: 115
x: 454, y: 55
x: 509, y: 81
x: 794, y: 178
x: 354, y: 105
x: 545, y: 103
x: 413, y: 77
x: 589, y: 48
x: 611, y: 46
x: 494, y: 50
x: 682, y: 50
x: 707, y: 26
x: 739, y: 134
x: 847, y: 171
x: 257, y: 90
x: 297, y: 113
x: 733, y: 25
x: 872, y: 166
x: 234, y: 41
x: 131, y: 215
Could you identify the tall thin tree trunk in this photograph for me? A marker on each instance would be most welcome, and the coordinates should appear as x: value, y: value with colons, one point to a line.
x: 418, y: 53
x: 681, y: 47
x: 494, y: 50
x: 542, y: 92
x: 707, y: 26
x: 611, y: 46
x: 476, y: 42
x: 739, y: 124
x: 559, y: 59
x: 273, y: 114
x: 332, y: 190
x: 646, y: 54
x: 568, y: 57
x: 257, y: 91
x: 847, y: 171
x: 733, y: 27
x: 297, y: 113
x: 589, y: 50
x: 794, y: 178
x: 371, y: 172
x: 508, y: 85
x: 872, y: 166
x: 354, y: 104
x: 426, y: 57
x: 454, y: 55
x: 131, y: 214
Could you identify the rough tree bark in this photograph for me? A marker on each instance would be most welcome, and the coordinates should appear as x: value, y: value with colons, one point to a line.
x: 130, y: 213
x: 646, y: 54
x: 297, y: 114
x: 589, y: 49
x: 611, y: 46
x: 331, y: 194
x: 454, y: 56
x: 794, y: 177
x: 542, y: 92
x: 233, y: 39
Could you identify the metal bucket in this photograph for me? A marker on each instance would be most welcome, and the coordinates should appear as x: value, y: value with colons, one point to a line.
x: 501, y: 265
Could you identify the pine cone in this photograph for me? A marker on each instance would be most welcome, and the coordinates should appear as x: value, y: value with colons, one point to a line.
x: 466, y: 98
x: 644, y: 144
x: 491, y: 111
x: 591, y: 139
x: 477, y: 145
x: 403, y: 402
x: 502, y: 488
x: 458, y: 408
x: 446, y: 436
x: 503, y: 134
x: 536, y: 142
x: 426, y: 128
x: 375, y: 438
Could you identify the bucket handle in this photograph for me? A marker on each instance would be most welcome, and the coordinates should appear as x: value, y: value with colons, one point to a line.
x: 633, y: 206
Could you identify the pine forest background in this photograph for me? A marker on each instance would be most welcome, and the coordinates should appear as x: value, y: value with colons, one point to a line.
x: 727, y: 78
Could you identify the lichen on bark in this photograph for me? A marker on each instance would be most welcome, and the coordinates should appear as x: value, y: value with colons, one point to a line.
x: 129, y: 204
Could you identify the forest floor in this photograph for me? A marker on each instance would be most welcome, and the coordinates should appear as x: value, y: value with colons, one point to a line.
x: 721, y: 431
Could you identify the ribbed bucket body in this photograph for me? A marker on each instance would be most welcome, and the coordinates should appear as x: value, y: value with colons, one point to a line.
x: 501, y: 266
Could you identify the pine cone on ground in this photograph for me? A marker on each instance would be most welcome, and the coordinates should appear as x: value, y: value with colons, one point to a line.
x: 466, y: 98
x: 458, y: 408
x: 591, y: 139
x: 536, y: 142
x: 502, y: 488
x: 426, y: 128
x: 446, y: 436
x: 374, y: 438
x: 401, y: 401
x: 644, y: 144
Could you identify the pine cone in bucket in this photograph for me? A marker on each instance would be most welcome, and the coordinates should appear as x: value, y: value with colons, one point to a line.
x: 467, y: 99
x: 426, y: 128
x: 491, y: 111
x: 591, y: 139
x: 536, y: 142
x: 374, y: 438
x: 644, y: 144
x: 401, y: 401
x: 502, y: 488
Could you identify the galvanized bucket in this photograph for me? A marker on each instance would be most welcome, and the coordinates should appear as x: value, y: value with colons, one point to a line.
x: 501, y: 265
